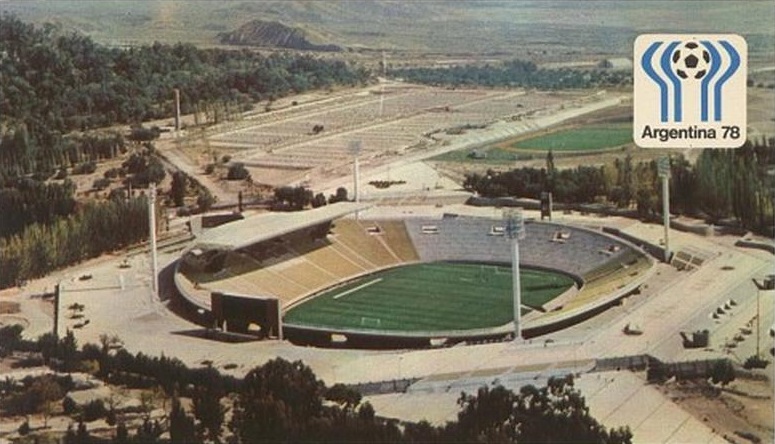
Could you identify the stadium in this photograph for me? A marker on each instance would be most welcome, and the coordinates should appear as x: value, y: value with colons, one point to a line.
x: 327, y: 277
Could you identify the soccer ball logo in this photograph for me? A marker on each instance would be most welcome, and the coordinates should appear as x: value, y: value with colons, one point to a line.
x: 690, y: 61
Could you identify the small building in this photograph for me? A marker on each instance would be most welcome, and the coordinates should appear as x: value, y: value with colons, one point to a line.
x: 617, y: 64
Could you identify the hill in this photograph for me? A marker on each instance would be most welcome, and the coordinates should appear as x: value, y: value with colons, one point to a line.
x: 272, y: 34
x: 518, y: 28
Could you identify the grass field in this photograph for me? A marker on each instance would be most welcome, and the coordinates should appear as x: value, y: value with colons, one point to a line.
x: 495, y: 155
x: 428, y: 297
x: 587, y: 138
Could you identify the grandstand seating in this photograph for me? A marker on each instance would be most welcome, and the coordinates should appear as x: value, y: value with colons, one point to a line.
x: 294, y: 266
x: 472, y: 239
x: 353, y: 236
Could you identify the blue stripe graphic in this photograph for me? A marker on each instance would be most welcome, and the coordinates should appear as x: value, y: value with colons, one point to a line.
x: 715, y: 65
x: 645, y: 62
x: 665, y: 64
x: 734, y: 64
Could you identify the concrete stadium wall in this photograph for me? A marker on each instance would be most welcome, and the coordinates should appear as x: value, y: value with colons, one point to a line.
x: 749, y: 243
x: 652, y: 249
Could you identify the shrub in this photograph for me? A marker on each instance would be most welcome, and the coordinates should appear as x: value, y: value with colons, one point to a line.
x: 68, y: 406
x: 101, y: 183
x: 238, y: 172
x: 111, y: 173
x: 94, y: 411
x: 723, y: 372
x: 755, y: 361
x: 61, y: 174
x: 85, y: 168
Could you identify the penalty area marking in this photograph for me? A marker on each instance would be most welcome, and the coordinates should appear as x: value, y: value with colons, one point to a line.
x: 367, y: 284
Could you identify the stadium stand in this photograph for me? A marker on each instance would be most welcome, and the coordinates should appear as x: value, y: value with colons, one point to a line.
x: 573, y: 250
x: 297, y: 264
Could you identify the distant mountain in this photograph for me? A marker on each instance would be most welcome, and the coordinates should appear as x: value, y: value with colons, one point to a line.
x: 272, y: 34
x: 555, y: 29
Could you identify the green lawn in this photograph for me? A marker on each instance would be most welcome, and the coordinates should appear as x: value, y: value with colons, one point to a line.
x: 428, y: 297
x: 495, y: 155
x: 588, y: 138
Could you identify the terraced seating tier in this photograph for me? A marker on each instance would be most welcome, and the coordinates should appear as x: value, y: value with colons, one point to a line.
x: 473, y: 239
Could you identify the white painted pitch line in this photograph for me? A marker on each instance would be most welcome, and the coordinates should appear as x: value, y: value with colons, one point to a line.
x: 367, y: 284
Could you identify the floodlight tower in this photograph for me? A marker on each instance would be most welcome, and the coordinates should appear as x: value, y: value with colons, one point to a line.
x: 152, y: 232
x: 515, y: 230
x: 663, y: 169
x: 355, y: 150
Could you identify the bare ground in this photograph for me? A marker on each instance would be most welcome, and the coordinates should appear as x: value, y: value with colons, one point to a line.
x: 745, y: 405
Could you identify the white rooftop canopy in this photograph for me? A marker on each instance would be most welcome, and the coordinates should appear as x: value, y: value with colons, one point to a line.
x: 261, y: 227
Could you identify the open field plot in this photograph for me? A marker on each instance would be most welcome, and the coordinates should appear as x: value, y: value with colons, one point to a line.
x: 586, y: 138
x: 387, y: 120
x: 428, y: 297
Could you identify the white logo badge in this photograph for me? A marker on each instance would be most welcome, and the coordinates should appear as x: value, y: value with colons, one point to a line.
x: 690, y: 91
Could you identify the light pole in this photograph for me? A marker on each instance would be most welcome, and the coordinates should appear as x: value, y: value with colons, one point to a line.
x: 355, y: 149
x: 152, y: 229
x: 663, y: 169
x: 515, y: 230
x: 758, y: 320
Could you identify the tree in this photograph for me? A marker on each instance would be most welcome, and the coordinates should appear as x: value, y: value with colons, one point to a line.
x: 340, y: 196
x: 723, y: 372
x: 205, y: 200
x: 122, y: 434
x: 68, y: 351
x: 238, y: 171
x: 318, y: 201
x: 24, y: 428
x: 344, y: 396
x: 292, y: 198
x: 154, y: 172
x: 182, y: 428
x: 82, y: 436
x: 555, y: 413
x: 550, y: 171
x: 277, y: 401
x: 178, y: 190
x: 208, y: 408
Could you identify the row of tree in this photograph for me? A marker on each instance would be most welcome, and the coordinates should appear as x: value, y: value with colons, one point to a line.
x: 300, y: 197
x: 34, y: 202
x: 21, y: 154
x: 98, y: 227
x: 57, y: 82
x: 514, y: 73
x: 722, y: 184
x: 285, y: 402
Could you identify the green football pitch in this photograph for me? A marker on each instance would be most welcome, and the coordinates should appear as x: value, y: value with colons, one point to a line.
x: 436, y: 296
x: 587, y: 138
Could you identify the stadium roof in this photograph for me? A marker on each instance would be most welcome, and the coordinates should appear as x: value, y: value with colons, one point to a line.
x: 261, y: 227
